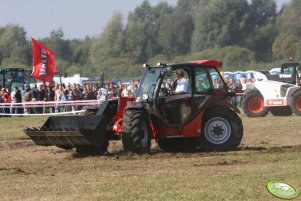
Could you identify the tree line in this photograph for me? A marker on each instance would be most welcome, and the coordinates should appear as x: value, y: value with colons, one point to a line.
x: 243, y: 34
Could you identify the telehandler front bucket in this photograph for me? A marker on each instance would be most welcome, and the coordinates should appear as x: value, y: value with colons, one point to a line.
x: 76, y: 131
x: 70, y: 131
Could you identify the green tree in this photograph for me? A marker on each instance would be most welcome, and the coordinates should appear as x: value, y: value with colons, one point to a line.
x: 285, y: 45
x: 73, y: 69
x: 175, y: 34
x: 289, y: 19
x: 260, y: 28
x: 14, y: 48
x: 261, y: 13
x: 58, y: 45
x: 191, y: 7
x: 276, y: 47
x: 62, y: 65
x: 80, y: 51
x: 261, y: 40
x: 109, y: 44
x: 233, y: 57
x: 219, y: 24
x: 141, y: 33
x: 298, y: 50
x: 289, y: 46
x: 119, y: 67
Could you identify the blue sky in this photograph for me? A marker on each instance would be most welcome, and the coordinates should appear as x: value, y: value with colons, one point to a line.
x: 78, y: 18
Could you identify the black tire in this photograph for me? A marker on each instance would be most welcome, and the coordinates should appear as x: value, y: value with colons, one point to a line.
x: 296, y: 103
x: 222, y: 130
x: 253, y: 105
x: 136, y: 136
x: 281, y: 111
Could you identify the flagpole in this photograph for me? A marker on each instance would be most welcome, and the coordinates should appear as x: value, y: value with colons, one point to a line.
x: 30, y: 44
x: 31, y: 51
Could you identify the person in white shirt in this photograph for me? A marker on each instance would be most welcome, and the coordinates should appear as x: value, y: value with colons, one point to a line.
x: 132, y: 88
x: 182, y: 84
x: 102, y: 93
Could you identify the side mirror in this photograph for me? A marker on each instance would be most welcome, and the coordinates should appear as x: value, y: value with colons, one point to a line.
x: 167, y: 70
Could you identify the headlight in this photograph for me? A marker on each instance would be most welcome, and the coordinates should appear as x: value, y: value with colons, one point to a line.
x: 145, y: 97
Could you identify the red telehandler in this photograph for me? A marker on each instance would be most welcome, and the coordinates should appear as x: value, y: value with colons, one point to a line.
x: 202, y: 118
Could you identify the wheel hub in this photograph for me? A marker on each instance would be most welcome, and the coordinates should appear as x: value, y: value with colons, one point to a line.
x: 217, y: 130
x: 255, y: 104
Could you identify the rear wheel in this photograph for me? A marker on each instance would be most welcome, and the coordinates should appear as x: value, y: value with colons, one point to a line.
x: 136, y: 129
x: 296, y: 103
x: 222, y: 130
x: 253, y: 105
x: 281, y: 111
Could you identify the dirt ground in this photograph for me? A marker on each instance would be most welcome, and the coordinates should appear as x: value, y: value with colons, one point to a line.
x: 270, y: 150
x: 260, y: 134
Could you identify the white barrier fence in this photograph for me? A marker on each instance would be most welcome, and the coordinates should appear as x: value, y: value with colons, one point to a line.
x: 48, y: 104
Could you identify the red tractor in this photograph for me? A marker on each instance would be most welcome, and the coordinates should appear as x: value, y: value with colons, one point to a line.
x: 200, y: 117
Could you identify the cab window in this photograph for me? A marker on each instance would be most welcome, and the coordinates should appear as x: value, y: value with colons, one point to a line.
x: 202, y: 81
x: 288, y: 70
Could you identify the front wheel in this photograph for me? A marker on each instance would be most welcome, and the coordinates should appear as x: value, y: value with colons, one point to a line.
x: 253, y: 105
x: 296, y: 103
x: 136, y: 129
x: 222, y: 130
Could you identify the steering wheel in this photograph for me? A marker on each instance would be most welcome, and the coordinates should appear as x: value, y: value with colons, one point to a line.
x: 166, y: 91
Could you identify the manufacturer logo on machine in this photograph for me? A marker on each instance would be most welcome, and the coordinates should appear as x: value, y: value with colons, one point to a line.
x: 272, y: 102
x: 282, y: 190
x: 285, y: 75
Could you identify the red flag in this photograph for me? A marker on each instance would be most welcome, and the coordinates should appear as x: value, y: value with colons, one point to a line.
x: 43, y: 62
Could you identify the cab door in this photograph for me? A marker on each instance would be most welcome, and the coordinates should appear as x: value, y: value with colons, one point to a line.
x: 174, y: 109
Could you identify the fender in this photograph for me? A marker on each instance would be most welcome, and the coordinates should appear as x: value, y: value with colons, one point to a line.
x: 291, y: 92
x: 137, y: 106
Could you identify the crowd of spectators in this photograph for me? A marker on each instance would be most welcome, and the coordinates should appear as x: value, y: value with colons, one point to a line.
x: 64, y: 93
x: 61, y: 93
x: 238, y: 86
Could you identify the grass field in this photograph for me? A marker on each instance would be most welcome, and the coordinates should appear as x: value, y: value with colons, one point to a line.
x: 270, y: 150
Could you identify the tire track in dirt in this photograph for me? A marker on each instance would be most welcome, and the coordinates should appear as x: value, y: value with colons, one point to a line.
x: 15, y: 144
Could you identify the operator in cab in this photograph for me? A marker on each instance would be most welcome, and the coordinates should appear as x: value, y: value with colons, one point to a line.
x: 180, y: 84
